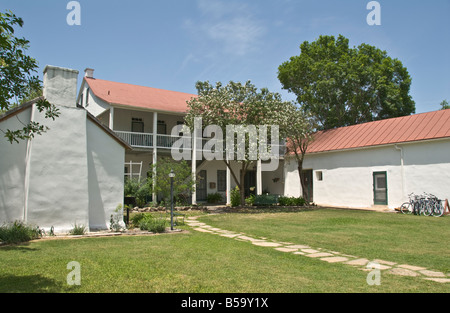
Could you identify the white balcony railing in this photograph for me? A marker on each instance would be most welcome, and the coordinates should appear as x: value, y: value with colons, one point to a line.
x: 145, y: 140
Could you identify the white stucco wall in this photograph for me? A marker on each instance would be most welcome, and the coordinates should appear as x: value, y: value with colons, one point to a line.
x: 105, y: 159
x: 73, y: 173
x: 348, y: 175
x: 58, y: 189
x: 12, y: 170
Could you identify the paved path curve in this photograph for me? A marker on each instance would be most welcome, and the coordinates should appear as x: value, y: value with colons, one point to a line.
x: 325, y: 255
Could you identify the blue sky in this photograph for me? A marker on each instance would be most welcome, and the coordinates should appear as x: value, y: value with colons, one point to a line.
x: 171, y: 44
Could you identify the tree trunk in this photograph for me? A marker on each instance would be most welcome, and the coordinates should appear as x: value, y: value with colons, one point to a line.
x: 242, y: 184
x: 304, y: 191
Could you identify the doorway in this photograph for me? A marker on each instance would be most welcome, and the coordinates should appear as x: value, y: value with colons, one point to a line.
x: 380, y: 188
x: 201, y: 186
x: 308, y: 182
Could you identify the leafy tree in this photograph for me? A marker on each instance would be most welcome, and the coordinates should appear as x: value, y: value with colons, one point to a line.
x: 299, y: 131
x: 183, y: 184
x: 342, y: 86
x: 17, y: 81
x: 236, y: 104
x: 444, y: 105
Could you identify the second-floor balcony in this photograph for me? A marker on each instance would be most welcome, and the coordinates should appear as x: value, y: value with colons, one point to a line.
x: 145, y: 141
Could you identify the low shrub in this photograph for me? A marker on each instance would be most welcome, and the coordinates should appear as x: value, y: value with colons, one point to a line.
x: 214, y: 197
x: 250, y: 200
x: 153, y: 224
x: 18, y: 232
x: 235, y: 197
x: 291, y: 201
x: 136, y: 219
x: 78, y: 230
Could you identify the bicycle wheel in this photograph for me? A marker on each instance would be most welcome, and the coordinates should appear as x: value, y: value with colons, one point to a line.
x: 428, y: 209
x: 406, y: 208
x: 438, y: 210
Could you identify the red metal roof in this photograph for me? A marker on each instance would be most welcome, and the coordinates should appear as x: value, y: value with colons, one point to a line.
x: 139, y: 96
x: 424, y: 126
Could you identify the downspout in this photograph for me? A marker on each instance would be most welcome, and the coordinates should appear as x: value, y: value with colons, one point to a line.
x: 402, y: 170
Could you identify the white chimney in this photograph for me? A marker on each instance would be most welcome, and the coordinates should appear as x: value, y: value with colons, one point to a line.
x: 89, y: 73
x: 60, y: 85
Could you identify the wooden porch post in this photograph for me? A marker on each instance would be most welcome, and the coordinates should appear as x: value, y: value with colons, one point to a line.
x: 258, y: 178
x: 155, y: 153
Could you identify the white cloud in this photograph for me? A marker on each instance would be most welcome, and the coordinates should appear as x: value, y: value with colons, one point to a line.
x: 228, y: 27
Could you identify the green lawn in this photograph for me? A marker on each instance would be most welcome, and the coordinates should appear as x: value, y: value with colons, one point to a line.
x: 195, y: 262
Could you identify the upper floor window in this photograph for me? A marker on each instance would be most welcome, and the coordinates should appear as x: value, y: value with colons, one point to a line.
x: 137, y: 125
x: 161, y: 127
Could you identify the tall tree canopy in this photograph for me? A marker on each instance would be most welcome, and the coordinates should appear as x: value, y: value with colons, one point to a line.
x: 240, y: 105
x: 17, y: 80
x: 342, y: 86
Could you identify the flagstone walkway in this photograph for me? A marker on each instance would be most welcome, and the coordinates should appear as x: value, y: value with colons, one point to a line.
x: 325, y: 255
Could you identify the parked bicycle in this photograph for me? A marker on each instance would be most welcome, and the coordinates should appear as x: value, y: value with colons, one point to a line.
x: 426, y: 204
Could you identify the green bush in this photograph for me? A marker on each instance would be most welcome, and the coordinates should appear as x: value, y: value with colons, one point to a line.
x: 78, y: 230
x: 292, y: 201
x: 235, y: 197
x: 214, y: 197
x: 18, y: 232
x: 153, y: 224
x: 135, y: 219
x: 250, y: 200
x: 139, y: 189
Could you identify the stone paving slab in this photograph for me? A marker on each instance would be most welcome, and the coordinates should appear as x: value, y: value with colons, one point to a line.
x: 266, y: 244
x: 411, y: 267
x: 249, y: 238
x: 286, y: 249
x: 432, y: 273
x: 358, y: 262
x: 310, y: 250
x: 384, y: 262
x: 403, y: 272
x: 319, y: 255
x: 335, y: 259
x: 298, y: 247
x: 195, y: 223
x: 229, y: 235
x: 202, y: 230
x: 439, y: 280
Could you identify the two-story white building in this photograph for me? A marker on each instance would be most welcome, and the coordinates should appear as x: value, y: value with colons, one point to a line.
x: 369, y: 165
x: 144, y: 117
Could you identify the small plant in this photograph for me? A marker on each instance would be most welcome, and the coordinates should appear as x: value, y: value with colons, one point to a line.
x: 77, y: 230
x: 292, y: 201
x: 136, y: 219
x: 235, y: 197
x: 116, y: 219
x: 214, y: 197
x: 152, y: 224
x: 17, y: 232
x: 250, y: 200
